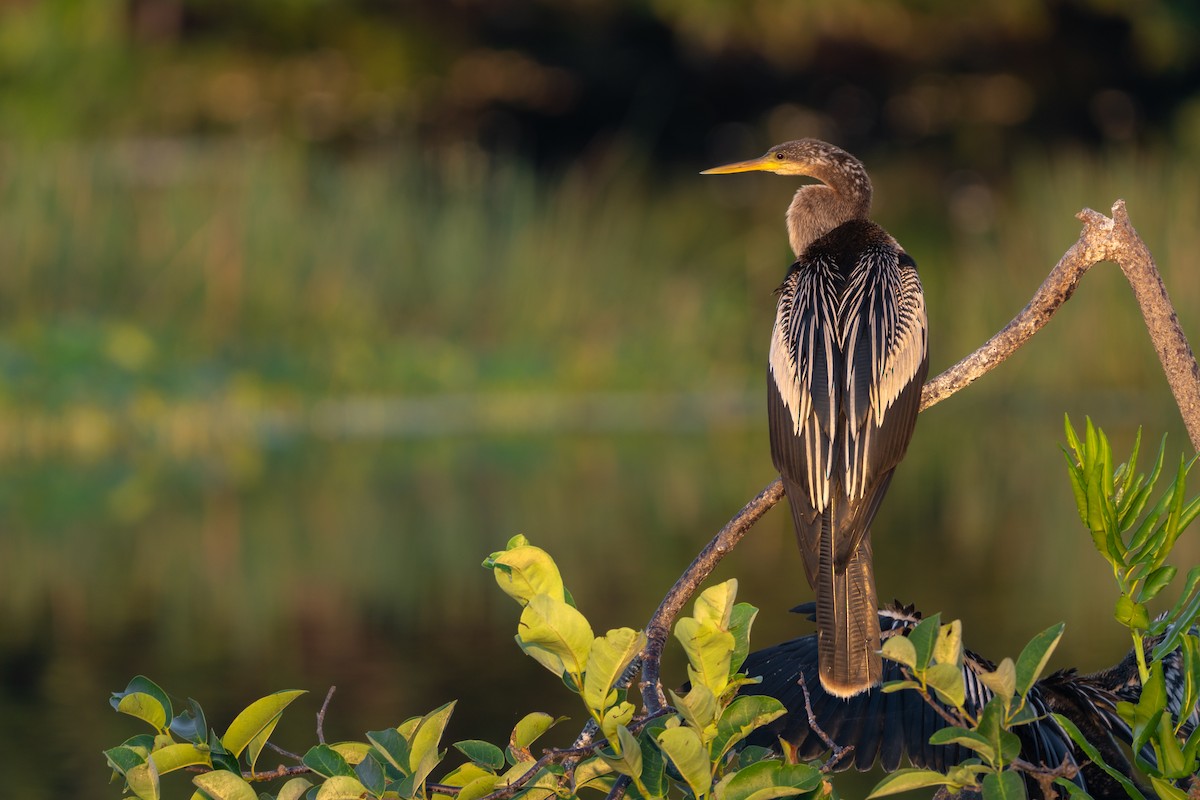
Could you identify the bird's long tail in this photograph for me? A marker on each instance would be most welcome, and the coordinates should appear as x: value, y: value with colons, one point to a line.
x: 847, y: 621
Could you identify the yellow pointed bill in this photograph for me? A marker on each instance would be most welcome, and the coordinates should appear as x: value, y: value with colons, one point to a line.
x: 760, y: 164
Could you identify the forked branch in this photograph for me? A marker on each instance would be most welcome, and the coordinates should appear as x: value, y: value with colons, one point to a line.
x: 1102, y: 239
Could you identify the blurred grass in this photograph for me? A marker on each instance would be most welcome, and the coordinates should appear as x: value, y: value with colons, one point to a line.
x: 262, y: 412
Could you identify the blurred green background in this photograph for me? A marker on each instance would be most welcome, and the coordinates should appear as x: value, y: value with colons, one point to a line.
x: 306, y: 306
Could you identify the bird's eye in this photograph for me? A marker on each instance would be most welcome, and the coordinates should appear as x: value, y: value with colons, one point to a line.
x: 779, y: 156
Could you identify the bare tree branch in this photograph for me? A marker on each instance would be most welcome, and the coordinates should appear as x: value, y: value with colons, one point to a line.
x: 1102, y: 239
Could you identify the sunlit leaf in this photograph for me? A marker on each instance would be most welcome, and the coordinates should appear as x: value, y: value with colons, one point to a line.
x: 324, y: 760
x: 900, y: 650
x: 294, y: 789
x: 740, y: 718
x: 353, y: 752
x: 143, y: 685
x: 1006, y: 785
x: 1002, y: 680
x: 947, y: 681
x: 969, y: 739
x: 392, y: 746
x: 423, y: 753
x: 766, y: 780
x: 1131, y: 614
x: 740, y: 623
x: 341, y: 787
x: 591, y: 771
x: 1034, y: 656
x: 628, y: 758
x: 610, y: 654
x: 178, y: 756
x: 923, y: 637
x: 683, y: 746
x: 550, y: 625
x: 904, y: 780
x: 698, y: 707
x: 142, y: 780
x: 485, y: 754
x: 618, y: 715
x: 262, y: 714
x: 714, y: 606
x: 531, y: 727
x: 144, y: 707
x: 709, y: 651
x: 524, y: 571
x: 223, y: 785
x: 948, y: 649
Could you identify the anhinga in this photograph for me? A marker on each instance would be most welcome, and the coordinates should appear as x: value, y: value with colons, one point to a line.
x: 848, y: 358
x: 886, y: 727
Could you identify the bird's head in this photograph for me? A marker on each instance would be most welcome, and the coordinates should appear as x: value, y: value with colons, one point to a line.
x: 809, y: 157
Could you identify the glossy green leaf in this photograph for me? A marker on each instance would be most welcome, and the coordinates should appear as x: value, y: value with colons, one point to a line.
x: 948, y: 649
x: 371, y: 774
x: 481, y: 786
x: 593, y: 772
x: 392, y: 746
x: 485, y: 754
x: 424, y: 754
x: 353, y: 752
x: 144, y: 707
x: 900, y: 650
x: 262, y: 714
x: 524, y: 571
x: 324, y: 760
x: 531, y: 727
x: 969, y: 739
x: 223, y: 785
x: 294, y: 789
x: 124, y: 758
x: 923, y: 638
x: 1034, y: 656
x: 1094, y: 756
x: 1002, y: 680
x: 740, y: 623
x: 714, y: 606
x: 698, y: 707
x: 1156, y: 581
x: 905, y: 780
x: 766, y: 780
x: 1131, y: 614
x: 709, y: 651
x: 614, y: 718
x: 946, y: 680
x: 178, y: 756
x: 610, y: 654
x: 143, y: 685
x: 1006, y: 785
x: 341, y: 787
x: 548, y: 624
x: 626, y: 756
x: 683, y: 746
x: 741, y: 717
x: 142, y: 780
x: 1167, y: 790
x: 190, y: 725
x: 1182, y: 614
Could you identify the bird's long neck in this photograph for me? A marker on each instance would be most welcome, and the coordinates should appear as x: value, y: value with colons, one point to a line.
x: 817, y: 209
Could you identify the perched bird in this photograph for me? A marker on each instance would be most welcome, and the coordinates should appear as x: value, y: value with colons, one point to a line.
x: 848, y: 359
x: 887, y: 727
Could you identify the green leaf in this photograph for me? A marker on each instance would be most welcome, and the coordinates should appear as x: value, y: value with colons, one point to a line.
x: 628, y: 757
x: 1004, y: 745
x: 740, y: 623
x: 1003, y: 680
x: 393, y: 747
x: 614, y: 718
x: 1182, y: 614
x: 1167, y: 790
x: 261, y: 715
x: 423, y: 746
x: 946, y: 680
x: 485, y: 754
x: 1006, y: 785
x: 1033, y: 658
x: 592, y: 773
x: 294, y: 789
x: 900, y: 650
x: 923, y: 637
x: 1156, y: 581
x: 740, y: 718
x: 709, y: 651
x: 609, y: 656
x: 683, y: 746
x: 972, y: 740
x: 897, y: 686
x: 142, y: 780
x: 353, y: 752
x: 948, y: 649
x: 371, y: 774
x: 1131, y: 614
x: 550, y: 625
x: 904, y: 780
x: 122, y: 759
x: 714, y: 606
x: 178, y: 756
x: 341, y: 787
x: 145, y: 707
x: 766, y: 780
x: 223, y: 785
x: 698, y: 707
x: 1094, y: 756
x: 143, y: 685
x: 531, y: 727
x: 327, y: 762
x: 524, y: 571
x: 190, y: 725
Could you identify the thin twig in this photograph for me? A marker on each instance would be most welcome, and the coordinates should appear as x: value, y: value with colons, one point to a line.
x: 283, y: 752
x: 838, y: 752
x: 321, y: 715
